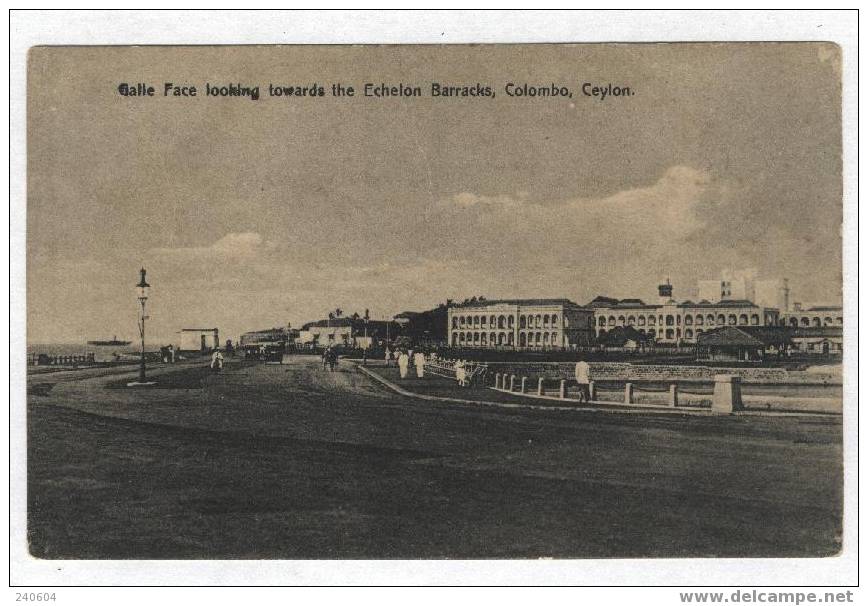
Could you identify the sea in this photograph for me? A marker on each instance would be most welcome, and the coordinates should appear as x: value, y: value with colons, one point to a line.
x: 101, y: 353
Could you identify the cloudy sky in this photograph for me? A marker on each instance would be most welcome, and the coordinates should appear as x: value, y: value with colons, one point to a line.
x: 253, y: 214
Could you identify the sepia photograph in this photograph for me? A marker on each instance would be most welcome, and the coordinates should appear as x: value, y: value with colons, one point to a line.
x: 435, y: 302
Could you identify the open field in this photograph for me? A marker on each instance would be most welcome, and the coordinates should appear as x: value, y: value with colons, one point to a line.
x: 271, y: 461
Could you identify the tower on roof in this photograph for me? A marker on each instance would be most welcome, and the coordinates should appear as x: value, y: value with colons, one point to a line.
x: 664, y: 292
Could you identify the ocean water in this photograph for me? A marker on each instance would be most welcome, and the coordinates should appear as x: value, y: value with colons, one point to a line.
x: 101, y: 353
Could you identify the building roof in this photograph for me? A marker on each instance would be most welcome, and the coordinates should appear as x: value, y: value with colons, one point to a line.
x: 620, y: 335
x: 745, y: 336
x: 724, y: 303
x: 527, y: 302
x: 825, y: 308
x: 198, y: 329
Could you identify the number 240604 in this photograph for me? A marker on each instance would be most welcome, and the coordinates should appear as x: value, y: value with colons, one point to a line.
x: 35, y: 597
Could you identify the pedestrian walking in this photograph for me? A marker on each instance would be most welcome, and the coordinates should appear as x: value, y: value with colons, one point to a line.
x: 216, y: 361
x: 388, y: 356
x: 461, y: 373
x: 583, y: 378
x: 403, y: 364
x: 419, y: 361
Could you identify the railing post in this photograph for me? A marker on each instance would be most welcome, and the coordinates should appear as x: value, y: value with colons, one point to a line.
x: 539, y: 387
x: 628, y: 393
x: 727, y: 394
x: 592, y: 391
x: 524, y: 385
x: 511, y: 382
x: 497, y: 381
x: 673, y: 395
x: 562, y: 394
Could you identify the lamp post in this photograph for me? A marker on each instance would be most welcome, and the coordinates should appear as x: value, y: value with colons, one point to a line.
x: 142, y: 290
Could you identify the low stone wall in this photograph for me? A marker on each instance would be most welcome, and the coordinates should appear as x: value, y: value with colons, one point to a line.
x: 624, y: 371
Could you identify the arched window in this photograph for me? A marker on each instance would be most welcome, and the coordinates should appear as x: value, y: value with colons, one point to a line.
x: 462, y: 320
x: 522, y: 339
x: 678, y: 320
x: 484, y: 338
x: 732, y: 319
x: 805, y: 321
x: 476, y: 337
x: 670, y: 334
x: 688, y: 333
x: 522, y: 322
x: 476, y: 321
x: 538, y: 321
x: 652, y: 321
x: 461, y: 337
x: 827, y: 321
x: 742, y: 319
x: 815, y: 322
x: 794, y: 322
x: 510, y: 339
x: 652, y: 332
x: 700, y: 320
x: 492, y: 338
x: 709, y: 319
x: 500, y: 338
x: 688, y: 320
x: 602, y: 321
x: 631, y: 320
x: 484, y: 321
x: 545, y: 337
x: 501, y: 322
x: 454, y: 322
x: 641, y: 321
x: 546, y: 320
x: 670, y: 320
x: 510, y: 321
x: 621, y: 320
x: 491, y: 321
x: 554, y: 319
x: 839, y: 321
x: 721, y: 319
x: 555, y: 339
x: 754, y: 319
x: 611, y: 320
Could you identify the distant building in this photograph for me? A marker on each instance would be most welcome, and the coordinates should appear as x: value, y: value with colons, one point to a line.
x: 824, y: 340
x: 743, y: 343
x: 199, y: 339
x: 269, y: 337
x: 348, y: 332
x: 672, y: 322
x: 520, y: 324
x: 743, y: 285
x: 814, y: 317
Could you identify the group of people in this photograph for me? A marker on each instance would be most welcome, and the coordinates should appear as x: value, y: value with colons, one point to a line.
x: 403, y: 358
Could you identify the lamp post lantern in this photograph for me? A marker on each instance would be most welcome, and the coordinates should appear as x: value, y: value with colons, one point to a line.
x: 142, y: 291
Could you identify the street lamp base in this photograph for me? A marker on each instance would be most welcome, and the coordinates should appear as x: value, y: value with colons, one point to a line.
x: 141, y: 384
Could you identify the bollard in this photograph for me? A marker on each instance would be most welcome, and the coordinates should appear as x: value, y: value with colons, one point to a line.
x: 563, y: 390
x: 727, y: 394
x: 628, y: 393
x: 673, y: 395
x: 524, y: 385
x: 497, y: 381
x: 592, y: 391
x: 539, y: 387
x: 511, y: 382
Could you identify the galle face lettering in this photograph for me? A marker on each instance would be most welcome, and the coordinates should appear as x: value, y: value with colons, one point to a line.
x: 139, y: 89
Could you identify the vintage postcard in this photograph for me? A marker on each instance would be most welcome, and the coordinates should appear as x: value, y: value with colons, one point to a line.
x: 457, y: 302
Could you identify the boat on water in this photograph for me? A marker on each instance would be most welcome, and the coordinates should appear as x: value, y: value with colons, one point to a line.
x: 111, y: 342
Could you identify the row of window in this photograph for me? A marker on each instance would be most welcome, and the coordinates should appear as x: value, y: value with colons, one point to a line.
x: 524, y: 321
x: 689, y: 320
x: 814, y: 321
x: 530, y: 339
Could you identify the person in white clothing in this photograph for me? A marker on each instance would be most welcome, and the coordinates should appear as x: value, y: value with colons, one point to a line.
x: 403, y: 364
x: 388, y: 356
x: 216, y: 361
x: 460, y: 373
x: 583, y: 378
x: 419, y: 361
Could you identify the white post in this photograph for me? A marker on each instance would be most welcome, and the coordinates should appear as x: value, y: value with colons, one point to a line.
x: 673, y: 395
x: 727, y: 394
x: 628, y: 393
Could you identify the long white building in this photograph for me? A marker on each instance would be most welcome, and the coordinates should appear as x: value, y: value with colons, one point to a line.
x: 521, y: 324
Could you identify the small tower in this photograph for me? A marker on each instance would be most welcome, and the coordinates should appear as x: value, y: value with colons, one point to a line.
x: 664, y: 292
